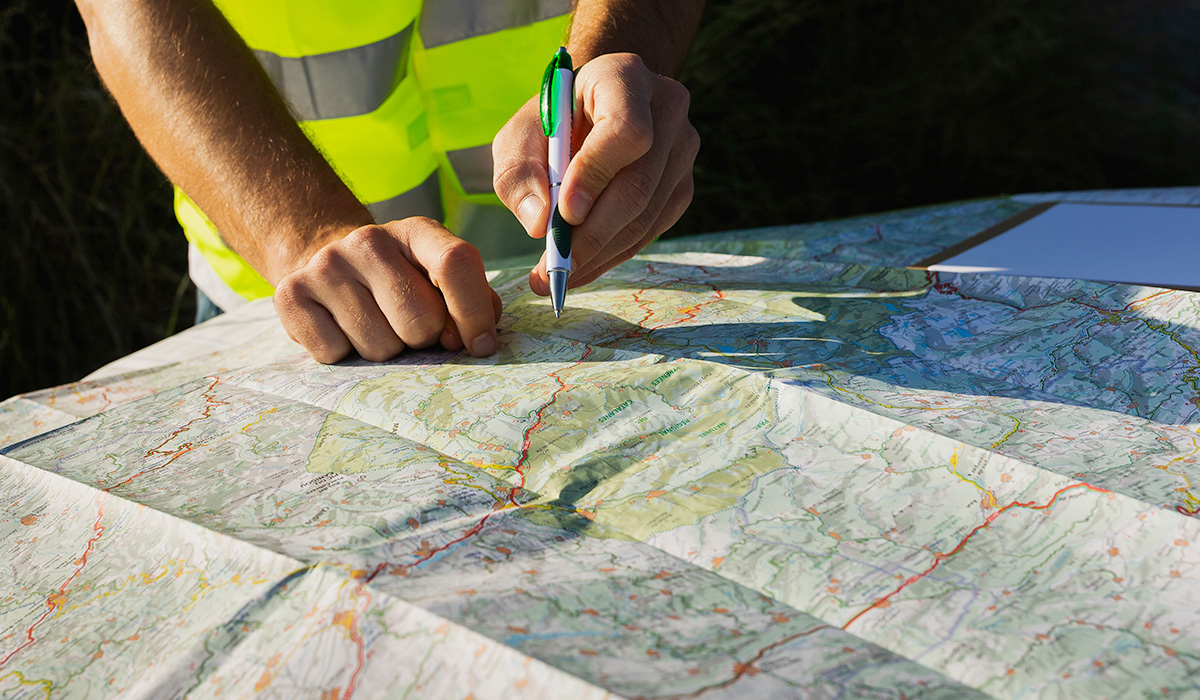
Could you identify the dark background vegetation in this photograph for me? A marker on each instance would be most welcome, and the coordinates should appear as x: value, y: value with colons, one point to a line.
x: 809, y: 109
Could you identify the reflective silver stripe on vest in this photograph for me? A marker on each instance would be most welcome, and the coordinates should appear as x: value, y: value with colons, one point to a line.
x: 423, y: 200
x: 343, y: 83
x: 473, y: 166
x: 447, y: 21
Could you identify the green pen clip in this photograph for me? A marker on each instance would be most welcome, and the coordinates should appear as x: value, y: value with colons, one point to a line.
x: 550, y: 88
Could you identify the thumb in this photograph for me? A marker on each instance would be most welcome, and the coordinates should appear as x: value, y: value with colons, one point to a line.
x: 520, y: 177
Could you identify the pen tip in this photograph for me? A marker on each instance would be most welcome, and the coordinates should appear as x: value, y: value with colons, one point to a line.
x: 557, y: 313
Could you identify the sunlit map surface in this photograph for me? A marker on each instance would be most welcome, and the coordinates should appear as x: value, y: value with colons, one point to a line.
x: 745, y: 465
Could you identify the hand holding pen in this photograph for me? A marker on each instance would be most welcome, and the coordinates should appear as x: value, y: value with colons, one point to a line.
x: 630, y: 177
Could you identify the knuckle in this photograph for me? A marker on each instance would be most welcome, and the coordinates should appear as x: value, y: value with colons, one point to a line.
x: 691, y: 141
x: 373, y: 239
x: 688, y: 188
x: 457, y: 255
x: 509, y: 174
x: 637, y: 135
x: 639, y: 189
x: 289, y: 293
x: 676, y: 93
x: 629, y: 61
x: 423, y: 330
x: 416, y: 223
x: 382, y: 350
x: 326, y: 354
x: 326, y: 260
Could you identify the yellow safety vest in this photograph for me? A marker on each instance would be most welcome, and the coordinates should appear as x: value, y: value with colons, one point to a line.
x: 402, y: 97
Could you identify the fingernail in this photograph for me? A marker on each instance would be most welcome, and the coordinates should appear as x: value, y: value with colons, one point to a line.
x: 528, y: 210
x: 484, y: 344
x: 580, y: 203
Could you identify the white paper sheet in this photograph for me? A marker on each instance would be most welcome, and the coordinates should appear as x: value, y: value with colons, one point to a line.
x: 1102, y: 242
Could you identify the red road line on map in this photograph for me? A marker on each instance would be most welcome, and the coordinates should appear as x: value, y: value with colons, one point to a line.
x: 528, y: 437
x: 62, y: 590
x: 512, y: 494
x: 478, y: 527
x: 691, y: 312
x: 741, y: 669
x: 943, y: 556
x: 688, y: 315
x: 475, y: 530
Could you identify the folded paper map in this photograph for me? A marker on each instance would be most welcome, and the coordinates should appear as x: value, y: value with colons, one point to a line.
x: 765, y: 470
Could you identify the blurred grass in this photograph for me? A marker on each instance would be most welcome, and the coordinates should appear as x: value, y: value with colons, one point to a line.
x: 811, y: 110
x: 808, y: 110
x: 92, y: 265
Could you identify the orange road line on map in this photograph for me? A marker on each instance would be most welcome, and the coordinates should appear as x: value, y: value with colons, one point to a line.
x: 55, y: 601
x: 1143, y: 300
x: 689, y: 313
x: 1190, y: 499
x: 268, y: 676
x: 356, y: 637
x: 209, y: 404
x: 943, y: 556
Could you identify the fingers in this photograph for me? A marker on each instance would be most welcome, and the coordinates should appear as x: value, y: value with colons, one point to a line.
x: 327, y: 308
x: 620, y: 225
x: 519, y: 154
x: 670, y: 200
x: 455, y: 268
x: 618, y: 127
x: 632, y: 176
x: 390, y: 284
x: 452, y: 340
x: 674, y: 208
x: 383, y: 288
x: 309, y: 323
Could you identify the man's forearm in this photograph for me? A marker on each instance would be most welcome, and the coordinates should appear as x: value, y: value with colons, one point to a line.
x: 207, y: 113
x: 659, y: 31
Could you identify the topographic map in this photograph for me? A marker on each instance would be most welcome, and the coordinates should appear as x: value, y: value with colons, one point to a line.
x: 764, y: 470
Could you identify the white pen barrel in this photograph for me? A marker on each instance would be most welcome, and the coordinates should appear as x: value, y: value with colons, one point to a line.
x: 560, y: 140
x: 557, y: 255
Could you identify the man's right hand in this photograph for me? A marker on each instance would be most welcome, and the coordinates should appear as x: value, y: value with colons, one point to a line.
x: 387, y: 287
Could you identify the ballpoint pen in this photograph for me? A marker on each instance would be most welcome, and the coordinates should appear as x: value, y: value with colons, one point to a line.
x: 557, y: 105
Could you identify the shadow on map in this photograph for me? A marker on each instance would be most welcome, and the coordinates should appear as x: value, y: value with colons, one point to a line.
x: 891, y: 336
